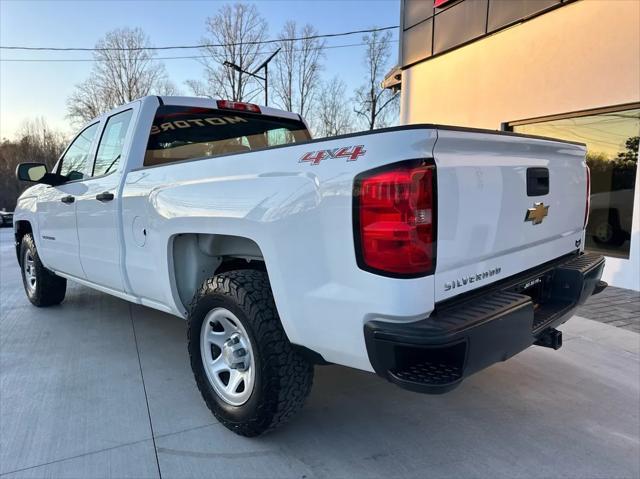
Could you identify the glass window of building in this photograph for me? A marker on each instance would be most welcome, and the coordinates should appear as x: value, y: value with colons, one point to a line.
x: 611, y: 136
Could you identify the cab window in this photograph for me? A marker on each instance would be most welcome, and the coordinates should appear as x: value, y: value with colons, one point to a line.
x: 183, y: 133
x: 73, y: 163
x: 111, y: 143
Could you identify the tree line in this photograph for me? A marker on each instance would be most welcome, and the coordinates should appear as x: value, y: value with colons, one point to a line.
x: 125, y: 69
x: 36, y: 142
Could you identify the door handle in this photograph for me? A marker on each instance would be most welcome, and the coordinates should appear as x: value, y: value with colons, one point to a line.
x: 105, y: 196
x: 67, y: 199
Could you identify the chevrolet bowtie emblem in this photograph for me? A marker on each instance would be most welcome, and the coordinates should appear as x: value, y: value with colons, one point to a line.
x: 537, y: 213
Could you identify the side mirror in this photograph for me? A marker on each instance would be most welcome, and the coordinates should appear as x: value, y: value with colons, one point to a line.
x: 32, y: 172
x: 37, y: 173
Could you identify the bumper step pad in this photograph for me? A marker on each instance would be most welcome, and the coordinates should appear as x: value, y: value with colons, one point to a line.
x: 429, y: 373
x: 486, y: 326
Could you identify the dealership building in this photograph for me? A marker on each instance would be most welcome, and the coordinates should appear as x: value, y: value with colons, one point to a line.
x: 567, y: 69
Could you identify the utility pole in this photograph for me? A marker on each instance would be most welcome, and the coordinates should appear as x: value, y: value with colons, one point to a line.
x: 265, y: 78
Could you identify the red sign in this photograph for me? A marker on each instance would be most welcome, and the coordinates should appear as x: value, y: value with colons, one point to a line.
x: 439, y: 3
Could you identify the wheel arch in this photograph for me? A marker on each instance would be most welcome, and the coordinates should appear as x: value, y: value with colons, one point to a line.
x: 194, y: 257
x: 20, y: 229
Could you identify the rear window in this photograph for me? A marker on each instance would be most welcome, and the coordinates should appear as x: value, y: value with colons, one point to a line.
x: 183, y: 133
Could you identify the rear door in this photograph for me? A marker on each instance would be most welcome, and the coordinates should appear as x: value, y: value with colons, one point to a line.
x: 97, y: 207
x: 505, y: 204
x: 58, y: 245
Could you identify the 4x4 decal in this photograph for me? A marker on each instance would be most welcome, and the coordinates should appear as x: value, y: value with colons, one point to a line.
x: 351, y: 153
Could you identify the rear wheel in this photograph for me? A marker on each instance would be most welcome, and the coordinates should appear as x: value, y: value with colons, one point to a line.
x: 606, y: 229
x: 42, y: 286
x: 227, y: 356
x: 250, y: 376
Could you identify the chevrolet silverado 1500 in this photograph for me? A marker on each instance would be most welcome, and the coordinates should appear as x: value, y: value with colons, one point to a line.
x: 424, y: 253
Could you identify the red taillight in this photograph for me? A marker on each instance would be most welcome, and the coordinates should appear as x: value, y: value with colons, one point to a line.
x: 588, y: 202
x: 395, y: 220
x: 239, y: 106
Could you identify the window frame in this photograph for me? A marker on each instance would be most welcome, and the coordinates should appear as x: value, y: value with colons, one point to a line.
x: 105, y: 122
x: 58, y: 166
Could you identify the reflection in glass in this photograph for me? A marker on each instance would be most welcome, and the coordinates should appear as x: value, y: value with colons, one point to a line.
x: 37, y: 172
x: 76, y: 157
x: 111, y: 143
x: 183, y: 133
x: 612, y: 155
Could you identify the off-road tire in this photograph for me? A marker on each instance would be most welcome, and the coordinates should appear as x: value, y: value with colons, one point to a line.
x: 49, y: 289
x: 283, y: 378
x: 611, y: 221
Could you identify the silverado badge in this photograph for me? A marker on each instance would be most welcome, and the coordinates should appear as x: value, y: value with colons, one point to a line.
x: 537, y: 213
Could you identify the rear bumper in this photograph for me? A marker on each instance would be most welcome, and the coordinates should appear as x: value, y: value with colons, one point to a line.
x: 475, y: 330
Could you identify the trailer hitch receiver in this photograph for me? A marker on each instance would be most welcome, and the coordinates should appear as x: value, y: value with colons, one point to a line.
x: 550, y: 338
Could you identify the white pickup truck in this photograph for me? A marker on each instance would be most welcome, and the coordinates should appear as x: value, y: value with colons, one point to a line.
x: 424, y: 253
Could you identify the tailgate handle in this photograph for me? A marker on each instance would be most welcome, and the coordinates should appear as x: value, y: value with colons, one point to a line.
x: 537, y: 181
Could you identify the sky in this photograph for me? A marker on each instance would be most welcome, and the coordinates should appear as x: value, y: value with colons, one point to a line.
x: 40, y: 89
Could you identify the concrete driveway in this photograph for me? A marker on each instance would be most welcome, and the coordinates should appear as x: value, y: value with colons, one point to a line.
x: 97, y: 387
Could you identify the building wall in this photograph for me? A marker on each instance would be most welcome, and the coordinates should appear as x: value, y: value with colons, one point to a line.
x: 581, y: 56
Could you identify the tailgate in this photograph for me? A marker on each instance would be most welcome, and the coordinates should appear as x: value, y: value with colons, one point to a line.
x: 491, y: 225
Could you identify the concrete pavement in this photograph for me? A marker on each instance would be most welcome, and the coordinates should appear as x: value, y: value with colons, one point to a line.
x: 97, y: 387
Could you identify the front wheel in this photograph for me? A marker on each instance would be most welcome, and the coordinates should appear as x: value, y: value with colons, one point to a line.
x: 42, y: 286
x: 248, y: 373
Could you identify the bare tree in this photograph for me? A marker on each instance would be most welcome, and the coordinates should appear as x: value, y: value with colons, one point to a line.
x: 333, y: 115
x: 198, y: 88
x: 121, y: 73
x: 165, y: 87
x: 374, y: 104
x: 309, y: 67
x: 285, y: 62
x: 88, y: 100
x: 298, y: 67
x: 237, y: 27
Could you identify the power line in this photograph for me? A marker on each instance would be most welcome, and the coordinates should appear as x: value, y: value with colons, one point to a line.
x: 54, y: 60
x: 202, y: 45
